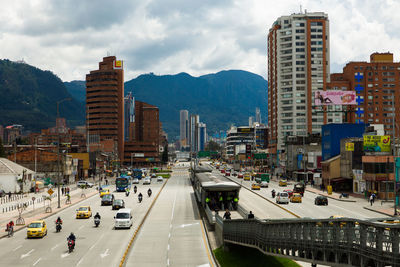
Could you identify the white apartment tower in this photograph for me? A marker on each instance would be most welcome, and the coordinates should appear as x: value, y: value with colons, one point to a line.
x: 298, y: 65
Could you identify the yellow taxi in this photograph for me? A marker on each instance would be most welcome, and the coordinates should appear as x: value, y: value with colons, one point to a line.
x: 246, y: 177
x: 296, y: 197
x: 255, y: 186
x: 83, y: 212
x: 104, y: 192
x: 283, y: 182
x: 37, y: 229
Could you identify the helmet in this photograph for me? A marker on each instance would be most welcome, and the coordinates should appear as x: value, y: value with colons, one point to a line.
x: 72, y: 233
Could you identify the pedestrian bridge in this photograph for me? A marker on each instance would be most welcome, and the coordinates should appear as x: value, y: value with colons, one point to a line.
x: 333, y: 242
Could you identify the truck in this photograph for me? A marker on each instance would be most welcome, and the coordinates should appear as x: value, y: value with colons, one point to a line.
x: 299, y: 188
x: 262, y: 177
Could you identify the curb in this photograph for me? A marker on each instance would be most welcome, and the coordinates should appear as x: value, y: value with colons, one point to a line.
x: 343, y: 200
x: 380, y: 212
x: 51, y: 214
x: 122, y: 262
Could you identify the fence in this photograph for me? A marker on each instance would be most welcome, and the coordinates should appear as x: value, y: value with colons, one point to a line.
x: 25, y: 203
x: 333, y: 242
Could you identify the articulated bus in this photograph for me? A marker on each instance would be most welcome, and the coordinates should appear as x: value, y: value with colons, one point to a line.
x: 123, y: 182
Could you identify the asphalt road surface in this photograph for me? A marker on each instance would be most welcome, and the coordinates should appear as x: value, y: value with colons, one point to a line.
x: 102, y: 246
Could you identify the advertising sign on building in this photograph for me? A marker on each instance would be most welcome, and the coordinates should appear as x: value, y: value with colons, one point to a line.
x: 334, y: 97
x: 349, y: 146
x: 376, y: 143
x: 118, y: 64
x: 138, y: 155
x: 245, y: 130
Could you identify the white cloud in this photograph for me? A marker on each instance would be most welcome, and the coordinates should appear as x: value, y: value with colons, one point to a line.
x: 172, y: 36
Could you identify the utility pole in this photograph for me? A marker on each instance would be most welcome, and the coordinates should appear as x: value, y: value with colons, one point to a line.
x: 394, y: 155
x: 58, y: 166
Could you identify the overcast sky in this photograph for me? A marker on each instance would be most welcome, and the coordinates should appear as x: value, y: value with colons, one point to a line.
x: 172, y: 36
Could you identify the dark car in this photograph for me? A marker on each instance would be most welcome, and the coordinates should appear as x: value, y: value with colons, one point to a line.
x: 118, y: 204
x: 321, y: 200
x: 107, y: 200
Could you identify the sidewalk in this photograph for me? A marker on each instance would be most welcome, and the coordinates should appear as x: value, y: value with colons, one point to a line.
x: 336, y: 196
x: 386, y: 209
x: 39, y: 212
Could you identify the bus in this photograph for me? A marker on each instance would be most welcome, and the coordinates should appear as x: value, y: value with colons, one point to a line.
x: 137, y: 173
x: 123, y: 182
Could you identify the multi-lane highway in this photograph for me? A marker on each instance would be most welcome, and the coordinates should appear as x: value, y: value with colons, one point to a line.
x: 102, y: 246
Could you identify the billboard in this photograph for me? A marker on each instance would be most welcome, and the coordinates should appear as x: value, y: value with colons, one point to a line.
x: 349, y: 146
x: 118, y: 64
x: 334, y: 97
x: 245, y: 130
x: 376, y: 143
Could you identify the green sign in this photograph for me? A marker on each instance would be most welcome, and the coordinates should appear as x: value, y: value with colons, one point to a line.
x: 205, y: 154
x: 260, y: 156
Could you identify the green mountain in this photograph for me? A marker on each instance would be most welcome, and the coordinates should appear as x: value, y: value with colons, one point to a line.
x: 221, y: 99
x: 29, y: 97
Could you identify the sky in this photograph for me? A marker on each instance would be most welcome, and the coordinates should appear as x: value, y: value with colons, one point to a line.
x: 199, y: 37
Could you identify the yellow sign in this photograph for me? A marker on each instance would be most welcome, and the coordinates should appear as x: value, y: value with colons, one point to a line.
x: 118, y: 64
x: 377, y: 143
x: 349, y: 146
x: 50, y: 191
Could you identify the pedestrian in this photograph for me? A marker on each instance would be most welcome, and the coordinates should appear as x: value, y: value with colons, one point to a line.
x: 227, y: 215
x: 106, y: 182
x: 62, y: 190
x: 250, y: 216
x: 9, y: 196
x: 371, y: 199
x: 68, y: 190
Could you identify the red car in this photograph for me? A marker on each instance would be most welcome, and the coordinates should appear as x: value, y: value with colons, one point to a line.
x: 222, y: 171
x: 289, y: 191
x: 227, y: 174
x: 240, y: 175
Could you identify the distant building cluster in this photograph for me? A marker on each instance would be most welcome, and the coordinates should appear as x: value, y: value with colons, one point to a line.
x: 193, y: 133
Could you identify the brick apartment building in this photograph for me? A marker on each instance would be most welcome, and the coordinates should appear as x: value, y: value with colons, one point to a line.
x: 105, y: 106
x: 374, y: 82
x: 143, y: 148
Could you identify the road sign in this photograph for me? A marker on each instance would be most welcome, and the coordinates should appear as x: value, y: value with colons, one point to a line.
x: 50, y: 191
x: 33, y: 198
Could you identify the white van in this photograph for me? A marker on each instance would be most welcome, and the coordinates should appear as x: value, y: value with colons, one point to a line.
x: 123, y: 218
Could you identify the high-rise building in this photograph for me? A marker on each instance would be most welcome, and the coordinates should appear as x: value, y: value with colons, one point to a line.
x: 202, y: 136
x: 376, y: 83
x: 184, y: 128
x: 194, y: 121
x: 251, y: 121
x: 298, y: 65
x: 105, y: 104
x: 129, y: 116
x: 258, y: 115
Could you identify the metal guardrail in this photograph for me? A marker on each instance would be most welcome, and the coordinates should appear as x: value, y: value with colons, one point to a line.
x: 210, y: 215
x: 333, y: 242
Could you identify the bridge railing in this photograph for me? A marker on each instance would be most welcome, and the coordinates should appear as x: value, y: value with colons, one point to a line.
x: 334, y: 241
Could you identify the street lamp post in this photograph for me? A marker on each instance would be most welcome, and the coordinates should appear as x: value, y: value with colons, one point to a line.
x: 58, y: 177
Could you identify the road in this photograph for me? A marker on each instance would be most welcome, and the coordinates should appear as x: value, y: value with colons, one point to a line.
x: 101, y: 246
x: 304, y: 209
x: 173, y: 234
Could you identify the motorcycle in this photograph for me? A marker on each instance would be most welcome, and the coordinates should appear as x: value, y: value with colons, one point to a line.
x: 126, y: 193
x: 135, y: 189
x: 96, y: 222
x: 149, y: 193
x: 273, y: 194
x: 58, y: 227
x: 140, y: 198
x: 71, y: 245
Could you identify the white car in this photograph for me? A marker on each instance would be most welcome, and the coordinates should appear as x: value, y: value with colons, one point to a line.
x: 135, y: 181
x: 264, y: 184
x: 282, y: 197
x: 160, y: 179
x: 123, y: 219
x: 153, y: 175
x: 147, y: 180
x: 84, y: 184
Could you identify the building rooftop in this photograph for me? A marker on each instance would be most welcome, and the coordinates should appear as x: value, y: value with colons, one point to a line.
x: 10, y: 167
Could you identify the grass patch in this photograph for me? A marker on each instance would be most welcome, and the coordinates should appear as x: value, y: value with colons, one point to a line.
x: 239, y: 256
x: 164, y: 175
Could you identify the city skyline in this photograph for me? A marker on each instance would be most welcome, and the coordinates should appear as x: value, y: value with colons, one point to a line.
x: 55, y: 37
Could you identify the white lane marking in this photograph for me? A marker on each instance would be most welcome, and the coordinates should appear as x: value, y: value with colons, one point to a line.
x: 64, y: 255
x: 20, y: 246
x: 36, y: 262
x: 79, y: 262
x: 168, y: 247
x: 189, y: 224
x: 53, y: 248
x: 27, y: 254
x: 105, y: 254
x: 167, y: 262
x: 170, y: 228
x: 95, y: 243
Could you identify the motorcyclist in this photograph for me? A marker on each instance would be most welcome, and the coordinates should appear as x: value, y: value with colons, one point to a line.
x: 149, y: 192
x: 273, y: 192
x: 140, y: 197
x: 72, y: 237
x: 97, y: 216
x: 127, y: 191
x: 135, y: 189
x: 59, y: 220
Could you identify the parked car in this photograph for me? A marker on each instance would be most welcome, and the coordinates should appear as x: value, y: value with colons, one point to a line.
x: 160, y: 179
x: 282, y: 197
x: 118, y: 204
x: 321, y: 200
x: 264, y: 184
x: 84, y: 184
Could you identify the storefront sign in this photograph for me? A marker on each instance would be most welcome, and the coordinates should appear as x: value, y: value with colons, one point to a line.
x: 349, y: 146
x: 376, y: 143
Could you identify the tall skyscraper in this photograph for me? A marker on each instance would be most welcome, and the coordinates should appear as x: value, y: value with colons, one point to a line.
x: 202, y: 136
x: 251, y: 121
x: 298, y: 65
x: 105, y: 104
x: 129, y: 117
x: 258, y: 115
x: 194, y: 121
x: 184, y: 128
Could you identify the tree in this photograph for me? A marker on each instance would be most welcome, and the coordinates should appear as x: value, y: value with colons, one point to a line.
x: 164, y: 156
x: 2, y: 151
x: 213, y: 146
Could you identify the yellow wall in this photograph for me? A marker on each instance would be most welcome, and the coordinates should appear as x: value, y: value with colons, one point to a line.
x: 82, y: 156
